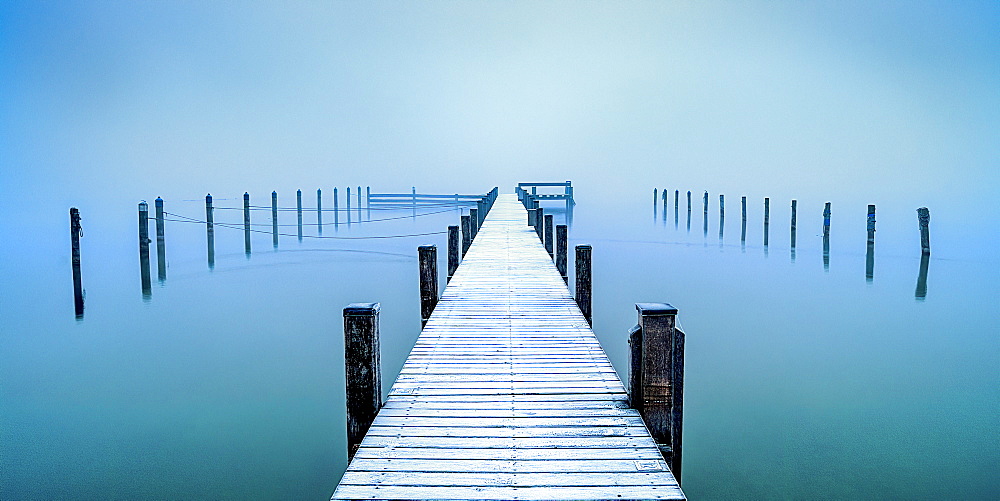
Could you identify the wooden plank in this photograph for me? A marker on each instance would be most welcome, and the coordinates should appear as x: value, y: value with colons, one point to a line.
x: 519, y: 493
x: 566, y: 479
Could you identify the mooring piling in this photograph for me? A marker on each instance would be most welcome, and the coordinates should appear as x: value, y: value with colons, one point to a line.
x: 144, y: 249
x: 161, y: 245
x: 298, y: 210
x: 704, y: 217
x: 274, y: 219
x: 743, y: 231
x: 722, y: 216
x: 474, y: 223
x: 656, y: 378
x: 453, y: 251
x: 336, y: 211
x: 363, y: 366
x: 466, y: 234
x: 368, y: 201
x: 413, y: 193
x: 75, y: 230
x: 562, y: 249
x: 689, y: 212
x: 210, y: 230
x: 826, y: 237
x: 665, y: 196
x: 427, y: 255
x: 767, y: 219
x: 677, y: 194
x: 360, y: 218
x: 795, y: 204
x: 924, y: 222
x: 246, y: 223
x: 348, y: 208
x: 548, y: 235
x: 870, y: 247
x: 319, y: 211
x: 584, y: 278
x: 540, y: 223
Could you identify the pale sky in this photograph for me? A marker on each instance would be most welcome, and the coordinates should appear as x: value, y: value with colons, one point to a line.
x: 873, y: 100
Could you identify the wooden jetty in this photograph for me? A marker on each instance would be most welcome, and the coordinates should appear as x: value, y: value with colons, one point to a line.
x: 507, y: 393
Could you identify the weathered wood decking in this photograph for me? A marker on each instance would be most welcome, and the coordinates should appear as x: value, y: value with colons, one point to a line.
x: 507, y: 393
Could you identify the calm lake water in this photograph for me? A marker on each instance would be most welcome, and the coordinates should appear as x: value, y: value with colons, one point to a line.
x: 803, y: 380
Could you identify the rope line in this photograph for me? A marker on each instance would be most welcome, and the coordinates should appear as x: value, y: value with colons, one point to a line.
x: 186, y: 219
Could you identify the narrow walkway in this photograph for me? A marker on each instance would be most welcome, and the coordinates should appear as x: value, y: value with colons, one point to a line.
x: 507, y: 394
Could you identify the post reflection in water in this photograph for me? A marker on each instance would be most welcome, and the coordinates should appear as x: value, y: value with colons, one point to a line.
x: 870, y: 263
x: 826, y: 252
x: 921, y: 292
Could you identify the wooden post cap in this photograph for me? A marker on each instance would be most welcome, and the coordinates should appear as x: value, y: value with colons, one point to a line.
x: 654, y: 309
x: 361, y: 309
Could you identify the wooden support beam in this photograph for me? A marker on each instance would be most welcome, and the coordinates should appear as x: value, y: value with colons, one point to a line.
x: 584, y: 282
x: 362, y: 360
x: 656, y: 377
x: 427, y: 256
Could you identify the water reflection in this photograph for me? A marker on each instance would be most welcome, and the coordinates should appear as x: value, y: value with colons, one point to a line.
x: 921, y: 292
x: 665, y: 198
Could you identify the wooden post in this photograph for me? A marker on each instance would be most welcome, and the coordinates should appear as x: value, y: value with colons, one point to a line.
x: 427, y: 255
x: 413, y: 191
x: 466, y: 234
x: 246, y: 223
x: 540, y: 224
x: 722, y: 215
x: 704, y: 217
x: 826, y: 237
x: 319, y: 211
x: 360, y: 218
x: 870, y: 247
x: 665, y: 196
x: 336, y: 210
x: 562, y: 249
x: 348, y: 198
x: 743, y: 233
x: 161, y: 246
x: 767, y: 218
x: 363, y: 365
x: 368, y: 202
x: 548, y: 236
x: 474, y: 222
x: 274, y: 219
x: 144, y: 249
x: 453, y: 251
x: 298, y: 210
x: 689, y: 211
x: 924, y: 221
x: 74, y: 232
x: 795, y: 205
x: 656, y: 378
x: 584, y: 291
x: 677, y: 194
x: 210, y: 230
x: 480, y: 212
